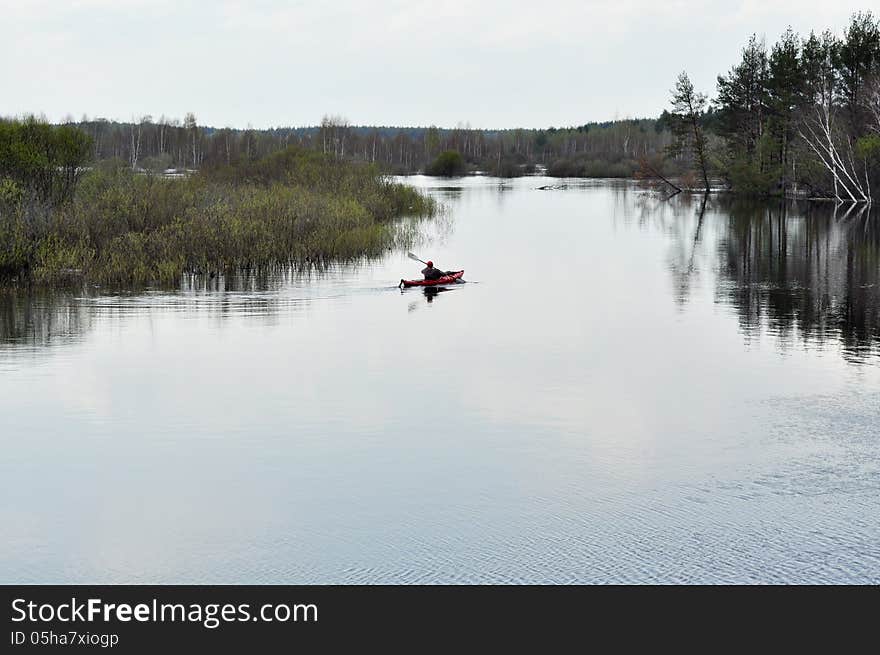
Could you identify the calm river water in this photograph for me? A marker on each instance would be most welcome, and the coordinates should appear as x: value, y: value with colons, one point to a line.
x: 630, y: 390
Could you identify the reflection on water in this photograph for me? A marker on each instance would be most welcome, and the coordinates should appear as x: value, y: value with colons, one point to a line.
x: 802, y: 272
x: 41, y: 318
x: 427, y: 293
x: 806, y: 272
x: 629, y: 389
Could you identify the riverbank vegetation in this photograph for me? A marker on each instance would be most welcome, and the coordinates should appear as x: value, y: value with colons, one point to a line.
x: 118, y: 227
x: 801, y: 117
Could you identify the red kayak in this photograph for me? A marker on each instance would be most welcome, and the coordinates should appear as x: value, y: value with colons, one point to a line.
x: 446, y: 279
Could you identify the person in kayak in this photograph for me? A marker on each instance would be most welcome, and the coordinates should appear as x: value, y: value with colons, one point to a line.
x: 432, y: 273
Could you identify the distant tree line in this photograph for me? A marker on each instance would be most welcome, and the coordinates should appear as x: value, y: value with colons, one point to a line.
x: 802, y: 116
x: 612, y: 148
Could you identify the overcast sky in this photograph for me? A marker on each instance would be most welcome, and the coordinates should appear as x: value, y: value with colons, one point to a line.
x: 268, y: 63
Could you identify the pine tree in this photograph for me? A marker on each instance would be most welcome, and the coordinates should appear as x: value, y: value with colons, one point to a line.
x: 858, y: 58
x: 743, y: 99
x: 689, y: 138
x: 785, y: 94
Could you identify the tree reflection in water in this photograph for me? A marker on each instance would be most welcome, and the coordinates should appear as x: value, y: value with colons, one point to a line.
x: 40, y: 318
x: 804, y: 272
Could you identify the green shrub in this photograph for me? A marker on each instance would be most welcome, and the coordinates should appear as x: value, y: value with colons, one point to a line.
x: 45, y: 159
x: 447, y: 164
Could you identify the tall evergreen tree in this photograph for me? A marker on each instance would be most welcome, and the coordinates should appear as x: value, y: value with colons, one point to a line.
x: 819, y: 56
x: 858, y: 58
x: 743, y: 99
x: 785, y: 94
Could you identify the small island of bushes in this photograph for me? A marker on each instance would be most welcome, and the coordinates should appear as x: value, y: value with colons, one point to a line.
x: 63, y: 220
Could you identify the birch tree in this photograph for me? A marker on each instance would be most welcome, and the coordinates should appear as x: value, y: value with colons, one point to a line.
x: 191, y: 127
x: 835, y: 151
x: 819, y: 127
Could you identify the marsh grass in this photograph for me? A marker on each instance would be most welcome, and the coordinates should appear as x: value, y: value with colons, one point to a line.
x: 121, y: 228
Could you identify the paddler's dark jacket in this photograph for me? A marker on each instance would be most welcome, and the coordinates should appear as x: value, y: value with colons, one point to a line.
x: 432, y: 273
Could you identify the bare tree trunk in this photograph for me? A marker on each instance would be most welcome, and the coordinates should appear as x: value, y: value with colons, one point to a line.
x: 819, y: 136
x: 700, y: 147
x: 135, y: 144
